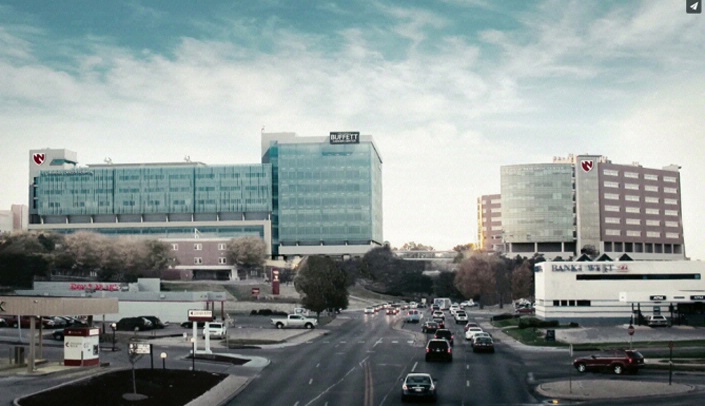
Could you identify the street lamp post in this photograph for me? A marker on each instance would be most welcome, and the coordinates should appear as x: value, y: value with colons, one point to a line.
x: 193, y: 354
x: 163, y: 357
x: 113, y: 326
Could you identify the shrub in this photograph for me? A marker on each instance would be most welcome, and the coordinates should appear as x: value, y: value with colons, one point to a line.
x: 529, y: 322
x: 503, y: 316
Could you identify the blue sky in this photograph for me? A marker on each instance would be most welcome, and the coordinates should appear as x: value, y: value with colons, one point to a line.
x: 451, y: 90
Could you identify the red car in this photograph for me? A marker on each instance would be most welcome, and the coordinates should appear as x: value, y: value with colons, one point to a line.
x: 618, y: 361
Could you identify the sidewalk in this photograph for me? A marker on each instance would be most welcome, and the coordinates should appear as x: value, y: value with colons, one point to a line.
x: 593, y: 389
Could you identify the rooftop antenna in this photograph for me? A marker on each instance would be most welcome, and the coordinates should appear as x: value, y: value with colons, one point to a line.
x: 187, y: 158
x: 108, y: 161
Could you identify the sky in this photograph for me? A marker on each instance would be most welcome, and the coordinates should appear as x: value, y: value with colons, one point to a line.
x: 450, y: 90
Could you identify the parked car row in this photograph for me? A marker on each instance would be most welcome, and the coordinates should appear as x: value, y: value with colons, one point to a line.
x: 140, y: 323
x: 46, y: 321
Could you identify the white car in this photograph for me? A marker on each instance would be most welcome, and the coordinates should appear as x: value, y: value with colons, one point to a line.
x: 369, y: 310
x: 439, y: 314
x: 471, y: 332
x: 454, y: 308
x: 460, y: 317
x: 468, y: 303
x: 215, y: 330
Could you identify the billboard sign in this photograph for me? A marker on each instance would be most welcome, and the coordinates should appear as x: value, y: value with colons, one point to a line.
x: 200, y: 315
x: 347, y: 137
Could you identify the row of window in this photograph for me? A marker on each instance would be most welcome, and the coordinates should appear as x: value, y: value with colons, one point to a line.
x: 636, y: 198
x: 199, y: 247
x: 635, y: 175
x: 635, y: 186
x: 637, y: 233
x: 637, y: 222
x: 636, y: 210
x: 571, y: 302
x: 199, y: 261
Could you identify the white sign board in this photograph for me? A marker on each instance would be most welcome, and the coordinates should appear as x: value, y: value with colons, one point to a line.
x: 140, y: 348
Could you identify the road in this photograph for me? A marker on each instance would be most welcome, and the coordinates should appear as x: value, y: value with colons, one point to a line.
x: 363, y: 361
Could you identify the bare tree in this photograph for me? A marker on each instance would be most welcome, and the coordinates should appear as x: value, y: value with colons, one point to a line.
x: 523, y: 281
x: 477, y: 277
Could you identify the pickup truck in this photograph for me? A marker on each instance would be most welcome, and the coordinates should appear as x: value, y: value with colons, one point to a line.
x: 295, y: 321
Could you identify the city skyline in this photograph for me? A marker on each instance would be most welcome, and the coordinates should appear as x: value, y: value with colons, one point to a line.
x: 450, y: 91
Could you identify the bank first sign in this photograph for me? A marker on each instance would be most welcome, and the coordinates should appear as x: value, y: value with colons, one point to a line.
x: 345, y: 137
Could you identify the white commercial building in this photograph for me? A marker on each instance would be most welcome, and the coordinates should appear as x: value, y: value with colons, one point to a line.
x: 606, y: 292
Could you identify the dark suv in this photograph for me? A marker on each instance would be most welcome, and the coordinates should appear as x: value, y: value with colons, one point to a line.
x: 618, y: 361
x: 438, y: 348
x: 134, y: 323
x: 445, y: 334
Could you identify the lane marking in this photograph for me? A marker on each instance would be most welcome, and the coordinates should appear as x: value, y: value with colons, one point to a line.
x: 328, y: 388
x: 413, y: 369
x: 318, y: 365
x: 310, y: 381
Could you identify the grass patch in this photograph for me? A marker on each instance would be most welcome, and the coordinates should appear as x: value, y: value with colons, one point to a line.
x: 531, y: 336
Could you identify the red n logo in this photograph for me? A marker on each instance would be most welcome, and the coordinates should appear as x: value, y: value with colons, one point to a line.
x: 38, y: 158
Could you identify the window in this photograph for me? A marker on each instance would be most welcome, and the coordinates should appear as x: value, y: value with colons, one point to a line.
x: 174, y: 247
x: 197, y: 260
x: 631, y: 198
x: 671, y: 224
x: 670, y: 190
x: 583, y: 303
x: 672, y: 235
x: 669, y: 179
x: 221, y: 246
x: 651, y: 199
x: 632, y: 209
x: 653, y: 234
x: 611, y: 184
x: 670, y: 201
x: 611, y: 196
x: 652, y: 211
x: 633, y: 222
x: 653, y: 223
x: 649, y: 176
x: 631, y: 186
x: 198, y: 246
x: 222, y: 260
x: 612, y: 232
x: 670, y: 212
x: 632, y: 175
x: 611, y: 220
x: 612, y: 208
x: 633, y: 233
x: 610, y: 172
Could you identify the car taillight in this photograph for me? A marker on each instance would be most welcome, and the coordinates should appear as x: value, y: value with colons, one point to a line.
x: 428, y: 350
x: 405, y: 387
x: 450, y: 349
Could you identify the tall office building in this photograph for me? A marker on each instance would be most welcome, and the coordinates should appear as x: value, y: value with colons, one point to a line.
x: 327, y: 193
x: 489, y: 223
x: 586, y: 203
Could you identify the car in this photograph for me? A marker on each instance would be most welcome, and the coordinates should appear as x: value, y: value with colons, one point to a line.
x: 468, y: 303
x: 390, y: 311
x: 413, y: 316
x: 4, y: 323
x: 454, y: 308
x: 418, y: 385
x: 189, y: 324
x: 524, y: 310
x: 471, y: 332
x: 657, y: 321
x: 444, y: 333
x: 58, y: 334
x: 439, y: 314
x: 471, y: 324
x: 440, y: 321
x: 369, y: 310
x: 156, y: 323
x: 479, y: 334
x: 482, y: 343
x: 460, y: 317
x: 215, y: 330
x: 438, y: 348
x: 617, y: 361
x: 133, y: 324
x: 429, y: 327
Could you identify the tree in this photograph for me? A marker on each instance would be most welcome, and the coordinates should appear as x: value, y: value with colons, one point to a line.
x: 463, y: 251
x: 247, y: 252
x: 476, y: 277
x: 412, y: 246
x: 322, y: 284
x: 444, y: 285
x: 523, y: 281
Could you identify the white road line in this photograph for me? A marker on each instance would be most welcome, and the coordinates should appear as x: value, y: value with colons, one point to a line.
x: 378, y: 342
x: 318, y: 365
x: 395, y: 342
x: 296, y: 404
x: 413, y: 369
x: 467, y: 366
x: 343, y: 342
x: 467, y: 383
x: 310, y: 381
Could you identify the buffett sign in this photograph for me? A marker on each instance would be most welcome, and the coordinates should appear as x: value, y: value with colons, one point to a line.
x: 345, y: 137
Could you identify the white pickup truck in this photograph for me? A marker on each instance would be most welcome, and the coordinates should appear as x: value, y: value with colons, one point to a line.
x: 295, y: 321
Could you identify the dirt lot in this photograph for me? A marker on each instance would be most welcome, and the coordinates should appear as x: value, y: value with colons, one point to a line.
x: 168, y: 387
